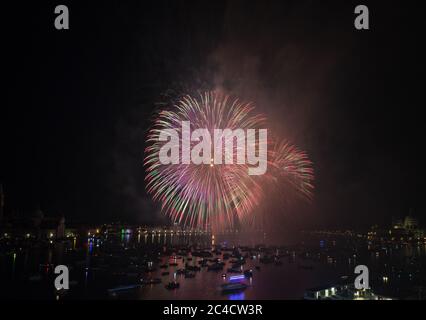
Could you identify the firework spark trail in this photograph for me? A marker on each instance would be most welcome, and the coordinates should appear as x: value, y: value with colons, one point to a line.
x: 214, y: 196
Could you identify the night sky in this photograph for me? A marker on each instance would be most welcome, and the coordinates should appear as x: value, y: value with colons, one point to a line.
x: 78, y: 101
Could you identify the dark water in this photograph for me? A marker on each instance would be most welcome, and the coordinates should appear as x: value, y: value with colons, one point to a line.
x: 287, y: 281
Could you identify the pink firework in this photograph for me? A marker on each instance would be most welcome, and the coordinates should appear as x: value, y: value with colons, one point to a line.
x: 212, y: 195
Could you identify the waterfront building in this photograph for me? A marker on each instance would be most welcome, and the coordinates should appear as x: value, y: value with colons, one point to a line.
x: 397, y: 223
x: 410, y: 223
x: 342, y: 290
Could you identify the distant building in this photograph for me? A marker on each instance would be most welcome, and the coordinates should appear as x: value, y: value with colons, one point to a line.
x: 343, y: 289
x: 410, y: 223
x: 60, y: 230
x: 397, y: 223
x: 38, y: 226
x: 406, y: 229
x: 52, y: 227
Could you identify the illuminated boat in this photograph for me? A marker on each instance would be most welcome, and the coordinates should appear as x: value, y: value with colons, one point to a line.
x: 248, y: 273
x: 172, y: 285
x: 233, y: 286
x: 180, y: 271
x: 189, y: 275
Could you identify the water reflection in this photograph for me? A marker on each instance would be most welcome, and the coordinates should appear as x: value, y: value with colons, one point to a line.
x: 237, y: 296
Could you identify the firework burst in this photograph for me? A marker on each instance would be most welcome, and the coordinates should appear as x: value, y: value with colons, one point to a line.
x: 217, y: 195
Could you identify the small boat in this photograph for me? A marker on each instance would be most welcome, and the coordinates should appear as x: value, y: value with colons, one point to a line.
x: 248, y: 273
x: 233, y: 286
x: 189, y: 275
x: 180, y: 271
x: 172, y: 285
x: 265, y: 259
x: 193, y: 268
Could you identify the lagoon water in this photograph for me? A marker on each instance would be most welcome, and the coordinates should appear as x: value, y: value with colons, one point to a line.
x: 286, y: 281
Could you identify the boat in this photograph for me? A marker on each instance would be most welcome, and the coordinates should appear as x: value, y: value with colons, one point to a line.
x: 265, y: 260
x: 172, y: 285
x: 234, y: 270
x: 248, y: 273
x: 180, y: 271
x: 189, y: 275
x: 193, y: 268
x: 202, y: 254
x: 202, y: 263
x: 215, y: 267
x: 233, y: 286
